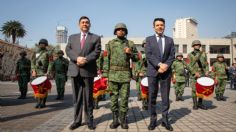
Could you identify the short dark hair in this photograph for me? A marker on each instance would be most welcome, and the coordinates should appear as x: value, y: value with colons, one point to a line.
x: 84, y: 17
x: 158, y: 19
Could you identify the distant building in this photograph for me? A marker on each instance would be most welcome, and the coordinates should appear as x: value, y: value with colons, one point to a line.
x: 61, y: 34
x: 232, y: 35
x: 185, y: 28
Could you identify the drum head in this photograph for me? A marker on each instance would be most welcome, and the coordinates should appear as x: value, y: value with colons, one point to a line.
x: 205, y: 81
x: 39, y: 80
x: 96, y: 78
x: 144, y: 82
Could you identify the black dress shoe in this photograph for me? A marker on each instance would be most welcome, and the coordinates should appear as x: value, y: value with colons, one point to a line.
x: 167, y: 126
x: 152, y: 126
x: 91, y: 127
x: 74, y: 126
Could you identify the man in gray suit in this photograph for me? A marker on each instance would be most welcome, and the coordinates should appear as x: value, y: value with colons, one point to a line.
x: 160, y: 53
x: 83, y: 49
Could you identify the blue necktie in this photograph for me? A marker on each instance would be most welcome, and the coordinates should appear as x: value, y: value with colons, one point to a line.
x: 160, y: 45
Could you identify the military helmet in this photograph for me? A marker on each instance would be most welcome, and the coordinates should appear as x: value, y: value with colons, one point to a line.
x: 43, y: 41
x: 119, y: 26
x: 220, y: 55
x: 23, y: 53
x: 178, y: 54
x: 60, y: 52
x: 196, y: 42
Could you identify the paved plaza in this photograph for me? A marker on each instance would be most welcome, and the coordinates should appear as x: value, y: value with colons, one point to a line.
x: 20, y: 115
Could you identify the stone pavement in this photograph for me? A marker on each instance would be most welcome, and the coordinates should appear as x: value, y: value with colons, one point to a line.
x: 20, y: 115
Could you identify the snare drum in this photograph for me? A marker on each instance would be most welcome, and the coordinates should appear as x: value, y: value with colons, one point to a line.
x: 41, y: 85
x: 144, y: 88
x: 204, y: 87
x: 99, y: 86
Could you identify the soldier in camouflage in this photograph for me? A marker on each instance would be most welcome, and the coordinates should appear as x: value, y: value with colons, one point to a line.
x: 60, y: 67
x: 23, y: 67
x: 219, y: 69
x: 140, y: 73
x: 120, y: 51
x: 40, y: 67
x: 102, y: 65
x: 197, y: 61
x: 179, y: 67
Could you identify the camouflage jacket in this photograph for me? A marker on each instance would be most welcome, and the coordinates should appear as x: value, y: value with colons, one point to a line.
x: 23, y: 67
x: 59, y: 66
x: 40, y: 62
x: 179, y: 68
x: 219, y: 70
x: 119, y: 69
x: 102, y: 64
x: 197, y: 62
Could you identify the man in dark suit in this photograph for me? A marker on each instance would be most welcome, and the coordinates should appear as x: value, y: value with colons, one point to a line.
x: 83, y: 49
x: 160, y: 53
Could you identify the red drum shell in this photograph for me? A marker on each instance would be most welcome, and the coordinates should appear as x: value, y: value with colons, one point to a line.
x: 144, y: 86
x: 204, y: 87
x: 41, y: 85
x: 100, y: 83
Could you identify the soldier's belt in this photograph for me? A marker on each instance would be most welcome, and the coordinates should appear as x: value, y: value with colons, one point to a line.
x: 119, y: 68
x: 221, y: 74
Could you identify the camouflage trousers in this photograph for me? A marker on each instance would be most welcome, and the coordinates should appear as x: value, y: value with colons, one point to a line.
x: 193, y: 86
x: 220, y: 87
x: 23, y: 84
x: 60, y: 83
x: 179, y: 88
x: 122, y: 90
x: 138, y: 88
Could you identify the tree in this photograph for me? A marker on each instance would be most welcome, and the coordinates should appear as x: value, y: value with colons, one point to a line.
x: 13, y: 29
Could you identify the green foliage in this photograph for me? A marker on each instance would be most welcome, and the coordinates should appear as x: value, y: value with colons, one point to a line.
x: 13, y: 29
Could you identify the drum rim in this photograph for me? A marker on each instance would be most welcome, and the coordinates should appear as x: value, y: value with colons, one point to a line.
x: 145, y: 78
x: 44, y: 78
x: 210, y: 84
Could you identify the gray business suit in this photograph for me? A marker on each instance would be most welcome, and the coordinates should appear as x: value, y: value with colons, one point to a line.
x: 82, y: 76
x: 154, y: 57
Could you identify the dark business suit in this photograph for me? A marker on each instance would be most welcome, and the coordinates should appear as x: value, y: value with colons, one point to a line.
x: 155, y: 57
x: 82, y: 76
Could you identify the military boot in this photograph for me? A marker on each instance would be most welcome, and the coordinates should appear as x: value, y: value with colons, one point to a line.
x: 38, y: 103
x: 200, y: 105
x: 218, y: 97
x: 115, y: 122
x: 61, y: 96
x: 181, y: 98
x: 123, y: 120
x: 43, y: 102
x: 222, y: 97
x: 195, y: 103
x: 96, y: 104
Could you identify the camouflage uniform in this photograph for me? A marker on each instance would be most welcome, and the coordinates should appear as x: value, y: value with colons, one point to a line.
x: 119, y: 76
x: 102, y: 65
x: 179, y: 73
x: 197, y: 61
x: 60, y: 67
x: 23, y: 67
x: 40, y: 64
x: 220, y: 76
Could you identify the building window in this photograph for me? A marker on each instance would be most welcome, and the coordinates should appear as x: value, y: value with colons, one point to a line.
x: 204, y: 48
x: 185, y: 48
x: 219, y: 49
x: 176, y: 48
x: 212, y: 60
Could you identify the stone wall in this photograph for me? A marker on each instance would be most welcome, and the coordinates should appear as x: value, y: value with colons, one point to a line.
x: 9, y: 54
